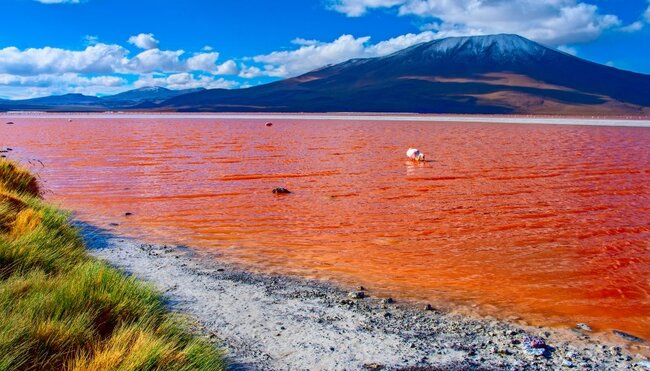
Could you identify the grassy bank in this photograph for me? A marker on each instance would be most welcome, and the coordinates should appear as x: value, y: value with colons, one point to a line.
x: 61, y: 309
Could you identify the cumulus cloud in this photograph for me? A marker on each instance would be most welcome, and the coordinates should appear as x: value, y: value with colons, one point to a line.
x: 553, y: 22
x: 184, y: 80
x: 144, y: 41
x: 99, y: 58
x: 228, y: 67
x: 155, y: 60
x: 314, y: 54
x: 103, y: 68
x: 102, y: 59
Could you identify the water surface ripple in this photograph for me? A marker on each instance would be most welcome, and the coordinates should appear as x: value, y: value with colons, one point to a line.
x: 547, y: 222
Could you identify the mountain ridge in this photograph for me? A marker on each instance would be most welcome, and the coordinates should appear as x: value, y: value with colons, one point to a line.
x: 502, y: 73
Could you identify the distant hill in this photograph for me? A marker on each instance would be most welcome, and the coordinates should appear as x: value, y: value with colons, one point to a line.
x: 147, y: 94
x: 80, y: 102
x: 477, y: 74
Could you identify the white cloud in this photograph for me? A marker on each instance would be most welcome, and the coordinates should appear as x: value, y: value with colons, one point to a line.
x: 301, y: 41
x: 99, y: 58
x: 203, y: 61
x: 23, y: 87
x: 315, y: 54
x: 155, y: 60
x: 184, y: 80
x: 632, y: 27
x: 567, y: 49
x: 101, y: 68
x: 553, y: 22
x: 68, y: 79
x: 309, y: 57
x: 357, y: 8
x: 249, y: 72
x: 646, y: 15
x: 58, y: 1
x: 398, y: 43
x: 228, y: 67
x: 144, y: 41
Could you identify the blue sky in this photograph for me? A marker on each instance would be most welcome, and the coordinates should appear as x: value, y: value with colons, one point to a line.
x: 99, y: 47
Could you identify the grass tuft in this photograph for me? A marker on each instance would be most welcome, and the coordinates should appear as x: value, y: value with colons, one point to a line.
x: 61, y: 309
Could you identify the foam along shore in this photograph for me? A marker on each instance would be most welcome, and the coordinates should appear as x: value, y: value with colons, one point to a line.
x: 277, y: 322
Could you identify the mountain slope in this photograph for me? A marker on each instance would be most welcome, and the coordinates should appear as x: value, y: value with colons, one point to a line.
x: 480, y: 74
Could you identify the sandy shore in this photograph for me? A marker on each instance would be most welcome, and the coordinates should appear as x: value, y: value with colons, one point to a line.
x: 275, y: 322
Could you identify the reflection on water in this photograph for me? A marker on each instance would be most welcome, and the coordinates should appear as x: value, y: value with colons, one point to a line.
x: 547, y: 222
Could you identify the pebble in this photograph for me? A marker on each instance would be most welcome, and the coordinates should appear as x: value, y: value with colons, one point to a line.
x: 128, y: 214
x: 428, y: 307
x: 584, y: 327
x: 10, y: 123
x: 568, y: 363
x: 387, y: 301
x: 357, y: 295
x: 269, y: 124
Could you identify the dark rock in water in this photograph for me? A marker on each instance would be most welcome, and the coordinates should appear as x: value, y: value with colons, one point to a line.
x: 10, y: 123
x: 128, y: 214
x: 584, y: 327
x: 269, y: 124
x: 9, y: 149
x: 281, y: 190
x: 628, y: 337
x: 113, y: 224
x: 3, y: 156
x: 428, y: 307
x: 357, y: 295
x: 387, y: 301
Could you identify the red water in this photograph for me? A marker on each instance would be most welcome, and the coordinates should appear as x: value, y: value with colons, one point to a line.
x: 550, y: 223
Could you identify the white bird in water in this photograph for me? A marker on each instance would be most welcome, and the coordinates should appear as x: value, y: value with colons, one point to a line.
x: 415, y: 154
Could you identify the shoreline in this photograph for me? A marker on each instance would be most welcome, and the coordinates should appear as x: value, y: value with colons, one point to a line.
x: 279, y: 322
x: 596, y: 120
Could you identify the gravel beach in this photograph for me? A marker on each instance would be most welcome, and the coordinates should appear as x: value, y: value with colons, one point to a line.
x: 277, y: 322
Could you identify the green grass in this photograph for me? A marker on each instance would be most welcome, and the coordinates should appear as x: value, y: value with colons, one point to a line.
x: 61, y: 309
